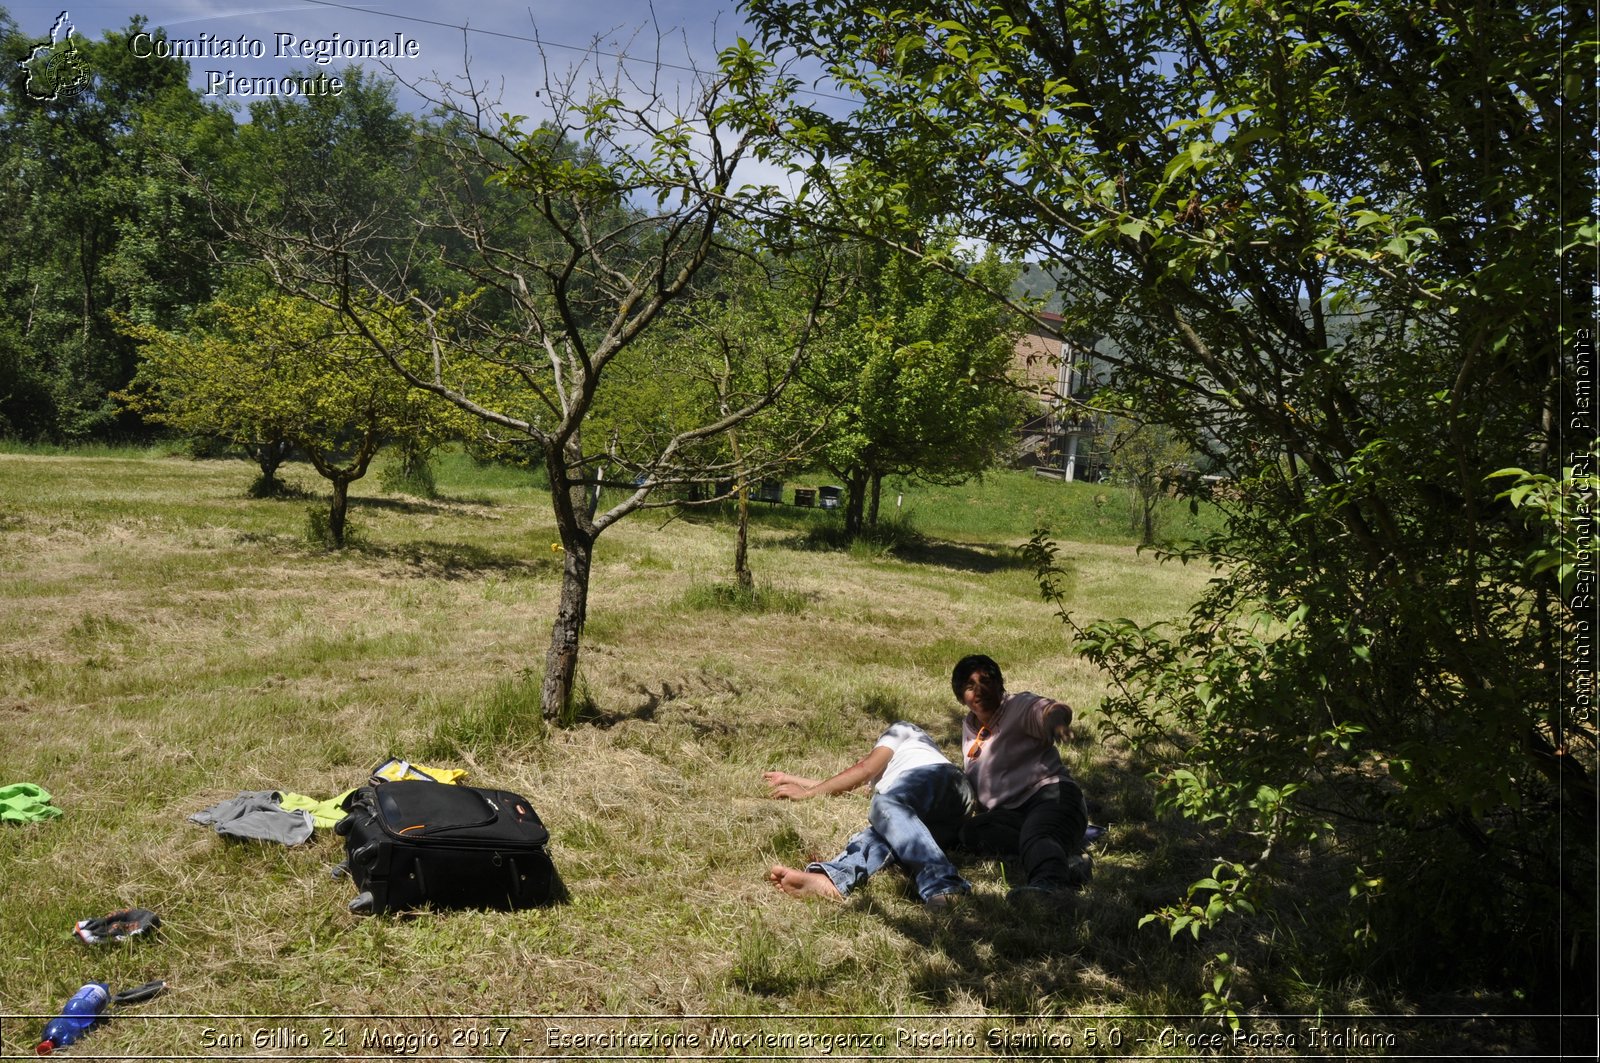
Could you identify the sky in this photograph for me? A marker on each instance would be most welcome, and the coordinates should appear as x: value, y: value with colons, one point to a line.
x: 498, y: 38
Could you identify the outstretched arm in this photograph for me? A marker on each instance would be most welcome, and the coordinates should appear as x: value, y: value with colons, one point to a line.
x: 1057, y: 719
x: 868, y: 769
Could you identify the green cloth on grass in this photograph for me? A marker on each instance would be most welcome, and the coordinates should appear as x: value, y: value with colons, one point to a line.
x: 23, y: 802
x: 324, y: 814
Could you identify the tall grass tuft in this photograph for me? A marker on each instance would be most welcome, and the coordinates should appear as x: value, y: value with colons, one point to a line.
x: 760, y: 598
x: 890, y: 536
x: 409, y: 474
x: 506, y: 717
x: 768, y: 964
x: 319, y: 530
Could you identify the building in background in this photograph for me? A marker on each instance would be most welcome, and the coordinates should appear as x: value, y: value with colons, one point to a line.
x: 1064, y: 440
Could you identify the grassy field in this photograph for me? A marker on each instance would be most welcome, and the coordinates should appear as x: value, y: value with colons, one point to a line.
x: 166, y: 642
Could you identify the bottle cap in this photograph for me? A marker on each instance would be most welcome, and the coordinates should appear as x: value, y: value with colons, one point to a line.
x: 45, y: 1047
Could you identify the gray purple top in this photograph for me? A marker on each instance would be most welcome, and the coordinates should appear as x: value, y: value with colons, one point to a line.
x: 1019, y: 755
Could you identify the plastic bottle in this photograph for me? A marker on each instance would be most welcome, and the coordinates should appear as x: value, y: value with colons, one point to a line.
x: 76, y: 1017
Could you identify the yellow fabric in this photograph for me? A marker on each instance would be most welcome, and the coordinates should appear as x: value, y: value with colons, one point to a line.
x: 398, y: 770
x: 324, y: 814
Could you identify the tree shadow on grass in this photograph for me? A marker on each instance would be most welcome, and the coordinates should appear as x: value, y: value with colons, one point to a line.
x: 443, y: 505
x: 448, y: 560
x: 961, y: 557
x: 431, y: 558
x: 1044, y: 962
x: 440, y: 506
x: 726, y: 511
x: 588, y: 711
x: 262, y: 490
x: 1013, y: 959
x: 940, y: 553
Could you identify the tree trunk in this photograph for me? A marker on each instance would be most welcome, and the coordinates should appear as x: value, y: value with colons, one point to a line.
x: 877, y: 489
x: 855, y: 501
x: 336, y: 512
x: 592, y: 495
x: 1149, y: 503
x: 269, y: 456
x: 413, y: 472
x: 561, y: 660
x: 570, y: 501
x: 741, y: 543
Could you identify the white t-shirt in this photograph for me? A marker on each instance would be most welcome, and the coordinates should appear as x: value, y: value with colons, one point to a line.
x: 912, y: 748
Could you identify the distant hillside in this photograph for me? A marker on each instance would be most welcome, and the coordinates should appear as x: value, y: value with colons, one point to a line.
x: 1036, y: 282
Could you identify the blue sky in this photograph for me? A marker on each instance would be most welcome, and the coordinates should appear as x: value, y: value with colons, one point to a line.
x: 498, y: 38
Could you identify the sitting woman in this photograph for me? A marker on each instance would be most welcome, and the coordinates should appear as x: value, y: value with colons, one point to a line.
x: 1029, y: 806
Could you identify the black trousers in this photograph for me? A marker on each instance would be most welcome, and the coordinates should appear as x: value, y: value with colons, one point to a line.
x: 1043, y: 831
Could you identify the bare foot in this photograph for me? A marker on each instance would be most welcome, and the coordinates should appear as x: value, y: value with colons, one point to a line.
x: 803, y: 883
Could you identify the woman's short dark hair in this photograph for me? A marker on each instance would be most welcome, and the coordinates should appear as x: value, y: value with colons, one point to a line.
x: 975, y: 662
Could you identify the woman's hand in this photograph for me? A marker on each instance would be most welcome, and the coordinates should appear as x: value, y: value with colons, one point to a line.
x: 789, y: 787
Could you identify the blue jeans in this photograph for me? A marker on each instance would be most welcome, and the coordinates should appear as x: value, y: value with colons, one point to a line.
x: 908, y: 823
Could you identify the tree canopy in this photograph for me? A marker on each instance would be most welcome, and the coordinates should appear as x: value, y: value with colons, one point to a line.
x: 280, y: 371
x: 912, y: 378
x: 99, y: 222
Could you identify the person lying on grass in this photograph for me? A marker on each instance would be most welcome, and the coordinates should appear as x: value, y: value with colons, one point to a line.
x: 1028, y: 805
x: 919, y: 800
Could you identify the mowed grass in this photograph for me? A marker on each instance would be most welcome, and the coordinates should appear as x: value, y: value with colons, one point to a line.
x: 166, y: 642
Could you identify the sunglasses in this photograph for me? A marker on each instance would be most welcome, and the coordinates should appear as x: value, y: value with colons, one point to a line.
x: 977, y: 743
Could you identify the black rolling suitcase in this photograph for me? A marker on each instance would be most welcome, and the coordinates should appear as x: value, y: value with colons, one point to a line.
x: 410, y: 844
